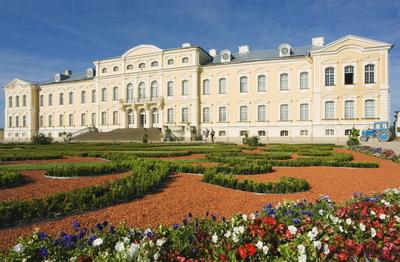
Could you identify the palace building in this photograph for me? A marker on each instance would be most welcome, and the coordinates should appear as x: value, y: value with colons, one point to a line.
x: 313, y: 93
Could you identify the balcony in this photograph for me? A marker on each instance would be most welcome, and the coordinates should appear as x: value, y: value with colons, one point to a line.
x: 141, y: 100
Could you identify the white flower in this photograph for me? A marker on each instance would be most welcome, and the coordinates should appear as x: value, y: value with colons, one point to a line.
x: 252, y: 216
x: 334, y: 219
x: 97, y: 242
x: 362, y: 227
x: 235, y: 238
x: 373, y: 232
x: 321, y: 212
x: 244, y: 216
x: 314, y: 230
x: 259, y: 245
x: 326, y: 249
x: 301, y: 249
x: 348, y: 221
x: 133, y: 249
x: 302, y: 258
x: 119, y: 246
x: 372, y: 213
x: 156, y: 256
x: 317, y: 244
x: 160, y: 242
x: 292, y: 229
x: 311, y: 235
x: 382, y: 216
x: 340, y: 228
x: 397, y: 219
x: 214, y: 238
x: 241, y: 229
x: 19, y: 248
x: 227, y: 233
x: 265, y: 249
x: 126, y: 240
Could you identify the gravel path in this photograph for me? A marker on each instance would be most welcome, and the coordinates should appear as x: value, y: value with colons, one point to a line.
x: 186, y: 193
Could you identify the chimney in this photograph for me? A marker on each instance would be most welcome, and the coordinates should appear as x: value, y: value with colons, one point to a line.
x: 243, y: 49
x: 318, y: 41
x: 212, y: 52
x: 186, y: 45
x: 67, y: 72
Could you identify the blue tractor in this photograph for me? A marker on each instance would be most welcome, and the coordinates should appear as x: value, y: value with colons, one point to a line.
x: 380, y: 131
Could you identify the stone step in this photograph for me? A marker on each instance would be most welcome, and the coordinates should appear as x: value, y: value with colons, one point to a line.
x: 122, y: 134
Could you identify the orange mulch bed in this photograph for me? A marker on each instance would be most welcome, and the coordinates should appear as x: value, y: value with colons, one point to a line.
x: 69, y: 159
x: 186, y: 193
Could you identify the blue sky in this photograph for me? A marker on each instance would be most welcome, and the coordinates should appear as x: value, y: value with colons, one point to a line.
x: 41, y: 38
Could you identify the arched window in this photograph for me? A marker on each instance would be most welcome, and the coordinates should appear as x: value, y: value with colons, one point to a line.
x: 206, y: 87
x: 129, y: 93
x: 284, y: 81
x: 154, y: 63
x: 261, y: 83
x: 104, y: 70
x: 115, y: 68
x: 130, y: 117
x: 185, y: 115
x: 154, y: 116
x: 10, y: 121
x: 61, y: 120
x: 142, y: 65
x: 284, y: 133
x: 93, y: 119
x: 41, y: 100
x: 50, y: 99
x: 115, y: 93
x: 262, y: 133
x: 104, y: 118
x: 24, y: 121
x: 304, y: 80
x: 222, y: 133
x: 284, y: 112
x: 370, y: 74
x: 115, y: 118
x: 349, y: 75
x: 170, y: 61
x: 129, y: 67
x: 170, y: 115
x: 71, y: 120
x: 17, y: 101
x: 142, y: 90
x: 185, y: 60
x: 329, y: 76
x: 154, y: 89
x: 329, y: 132
x: 104, y: 94
x: 185, y: 87
x: 222, y: 86
x: 17, y: 121
x: 243, y: 84
x: 83, y: 119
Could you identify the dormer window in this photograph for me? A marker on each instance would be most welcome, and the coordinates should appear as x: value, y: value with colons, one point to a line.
x: 225, y: 56
x: 154, y: 64
x: 142, y: 65
x: 115, y: 68
x: 285, y: 50
x: 129, y: 67
x: 170, y: 61
x: 185, y: 60
x: 104, y: 70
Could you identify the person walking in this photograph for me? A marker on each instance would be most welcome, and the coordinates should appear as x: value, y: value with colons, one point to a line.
x: 207, y: 133
x: 212, y: 135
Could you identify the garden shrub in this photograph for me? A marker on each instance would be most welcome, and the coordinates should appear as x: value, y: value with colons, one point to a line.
x: 76, y: 171
x: 10, y: 178
x: 251, y: 141
x: 41, y: 139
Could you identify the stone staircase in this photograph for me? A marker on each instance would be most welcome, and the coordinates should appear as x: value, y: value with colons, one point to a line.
x: 121, y: 134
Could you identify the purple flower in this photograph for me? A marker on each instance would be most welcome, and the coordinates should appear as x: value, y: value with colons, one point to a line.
x: 99, y: 226
x: 43, y: 252
x: 76, y: 224
x: 42, y: 235
x: 91, y: 239
x: 175, y: 226
x: 296, y: 221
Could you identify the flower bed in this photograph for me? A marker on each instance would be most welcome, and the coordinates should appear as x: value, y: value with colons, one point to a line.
x: 378, y: 152
x: 10, y: 178
x: 363, y: 229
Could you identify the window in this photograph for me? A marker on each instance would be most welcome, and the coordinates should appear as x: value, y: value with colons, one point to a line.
x: 222, y: 86
x: 261, y: 83
x: 284, y: 133
x: 93, y: 119
x: 206, y: 114
x: 115, y: 68
x: 170, y: 115
x: 185, y: 87
x: 115, y: 93
x: 61, y: 98
x: 185, y: 60
x: 10, y: 121
x: 303, y: 80
x: 206, y: 87
x: 303, y: 112
x: 93, y: 96
x: 24, y: 100
x: 349, y: 75
x: 104, y: 70
x: 24, y: 121
x: 155, y: 117
x: 170, y: 88
x: 369, y: 108
x: 50, y: 121
x: 303, y: 132
x: 347, y: 132
x: 71, y: 98
x: 83, y: 119
x: 222, y: 133
x: 185, y: 115
x: 115, y: 118
x: 129, y: 92
x: 329, y: 110
x: 329, y: 76
x: 142, y: 65
x: 41, y: 121
x: 243, y: 133
x: 103, y: 118
x: 262, y: 133
x: 262, y: 113
x: 349, y: 109
x: 222, y: 114
x: 154, y: 64
x: 370, y: 74
x: 284, y: 112
x: 243, y: 84
x: 142, y: 90
x: 61, y: 120
x: 154, y: 89
x: 17, y: 101
x: 329, y: 132
x: 103, y: 94
x: 83, y: 97
x: 50, y: 97
x: 170, y: 61
x: 41, y: 100
x: 284, y: 81
x: 17, y: 121
x: 10, y: 99
x: 129, y: 67
x: 71, y: 120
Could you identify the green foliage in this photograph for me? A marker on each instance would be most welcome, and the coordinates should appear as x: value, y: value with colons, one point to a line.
x: 353, y: 137
x: 77, y: 171
x: 251, y: 141
x: 10, y: 179
x: 41, y: 139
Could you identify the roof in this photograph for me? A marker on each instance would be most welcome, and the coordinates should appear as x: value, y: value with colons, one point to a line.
x: 71, y: 78
x: 266, y: 54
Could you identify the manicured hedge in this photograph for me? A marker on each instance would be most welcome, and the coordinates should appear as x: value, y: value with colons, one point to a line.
x: 283, y: 185
x: 10, y: 178
x: 147, y: 176
x: 28, y: 156
x: 76, y: 171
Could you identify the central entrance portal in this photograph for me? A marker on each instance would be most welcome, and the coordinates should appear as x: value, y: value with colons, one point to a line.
x: 142, y: 118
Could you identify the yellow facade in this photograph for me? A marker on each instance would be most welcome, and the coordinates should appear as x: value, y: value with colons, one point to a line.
x: 309, y: 94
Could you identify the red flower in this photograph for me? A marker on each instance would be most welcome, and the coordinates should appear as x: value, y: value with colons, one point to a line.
x: 343, y: 256
x: 270, y: 221
x: 223, y: 258
x: 251, y: 249
x: 242, y: 252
